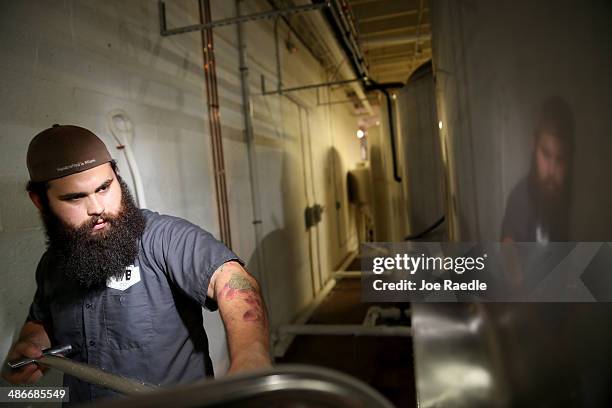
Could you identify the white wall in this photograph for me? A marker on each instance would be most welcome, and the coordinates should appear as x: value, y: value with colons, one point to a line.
x: 73, y: 62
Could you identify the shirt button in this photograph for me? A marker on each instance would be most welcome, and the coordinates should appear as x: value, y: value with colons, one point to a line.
x: 88, y: 305
x: 92, y: 343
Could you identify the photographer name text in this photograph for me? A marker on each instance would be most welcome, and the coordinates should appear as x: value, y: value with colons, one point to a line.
x: 447, y: 285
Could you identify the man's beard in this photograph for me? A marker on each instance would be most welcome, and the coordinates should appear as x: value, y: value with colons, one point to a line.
x: 551, y: 205
x: 87, y: 258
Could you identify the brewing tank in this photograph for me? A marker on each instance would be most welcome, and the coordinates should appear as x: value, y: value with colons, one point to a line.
x: 422, y: 156
x: 515, y: 80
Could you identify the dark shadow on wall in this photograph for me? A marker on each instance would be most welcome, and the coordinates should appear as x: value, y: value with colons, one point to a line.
x: 284, y: 248
x: 336, y: 207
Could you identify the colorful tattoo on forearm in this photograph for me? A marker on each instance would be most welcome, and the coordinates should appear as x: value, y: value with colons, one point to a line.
x: 240, y: 285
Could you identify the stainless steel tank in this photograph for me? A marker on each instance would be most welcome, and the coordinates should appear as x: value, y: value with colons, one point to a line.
x: 422, y: 156
x: 497, y: 67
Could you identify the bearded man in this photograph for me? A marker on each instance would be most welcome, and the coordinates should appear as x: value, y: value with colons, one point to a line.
x: 126, y: 286
x: 538, y: 207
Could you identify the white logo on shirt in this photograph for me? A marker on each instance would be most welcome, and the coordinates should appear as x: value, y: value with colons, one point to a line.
x: 129, y: 278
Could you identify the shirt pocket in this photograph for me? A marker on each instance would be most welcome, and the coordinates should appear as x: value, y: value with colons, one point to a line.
x: 66, y: 323
x: 128, y: 322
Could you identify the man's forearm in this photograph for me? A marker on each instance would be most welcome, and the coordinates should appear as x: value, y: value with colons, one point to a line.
x: 244, y: 316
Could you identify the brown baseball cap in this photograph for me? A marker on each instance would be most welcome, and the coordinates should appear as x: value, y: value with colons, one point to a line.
x: 64, y: 150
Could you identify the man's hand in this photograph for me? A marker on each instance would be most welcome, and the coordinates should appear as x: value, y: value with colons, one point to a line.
x: 244, y: 316
x: 32, y: 340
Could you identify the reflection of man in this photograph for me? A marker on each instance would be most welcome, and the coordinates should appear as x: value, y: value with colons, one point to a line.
x: 537, y: 208
x: 125, y: 286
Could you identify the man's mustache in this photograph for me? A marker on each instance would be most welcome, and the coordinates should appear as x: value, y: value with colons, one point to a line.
x: 93, y: 220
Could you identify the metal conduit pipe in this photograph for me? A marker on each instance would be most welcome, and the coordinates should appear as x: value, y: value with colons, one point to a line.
x: 337, y: 53
x: 252, y: 158
x: 384, y: 89
x: 212, y: 98
x: 295, y: 32
x: 341, y: 23
x: 396, y: 175
x: 346, y: 31
x: 279, y: 70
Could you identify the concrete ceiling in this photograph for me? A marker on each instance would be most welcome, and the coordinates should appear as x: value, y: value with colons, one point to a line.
x: 388, y: 33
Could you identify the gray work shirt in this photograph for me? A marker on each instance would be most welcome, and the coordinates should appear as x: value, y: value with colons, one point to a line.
x: 147, y: 326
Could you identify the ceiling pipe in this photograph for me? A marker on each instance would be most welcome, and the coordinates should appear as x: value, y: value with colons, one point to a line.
x: 342, y: 24
x: 394, y: 40
x: 295, y: 32
x: 345, y: 71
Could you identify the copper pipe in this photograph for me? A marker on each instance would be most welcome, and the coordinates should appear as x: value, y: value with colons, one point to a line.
x: 212, y: 99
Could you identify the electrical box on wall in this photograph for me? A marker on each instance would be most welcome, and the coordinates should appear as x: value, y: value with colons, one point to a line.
x: 313, y: 215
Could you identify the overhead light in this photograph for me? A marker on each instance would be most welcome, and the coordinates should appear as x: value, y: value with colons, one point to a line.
x: 394, y: 96
x: 440, y: 125
x: 360, y: 133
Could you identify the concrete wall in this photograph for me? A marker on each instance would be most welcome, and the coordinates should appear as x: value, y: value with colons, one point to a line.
x: 495, y: 63
x: 74, y: 62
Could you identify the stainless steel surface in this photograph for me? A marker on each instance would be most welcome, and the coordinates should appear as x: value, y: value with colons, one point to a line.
x: 345, y: 330
x: 421, y: 150
x: 513, y: 355
x: 517, y: 355
x: 54, y: 351
x: 284, y: 386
